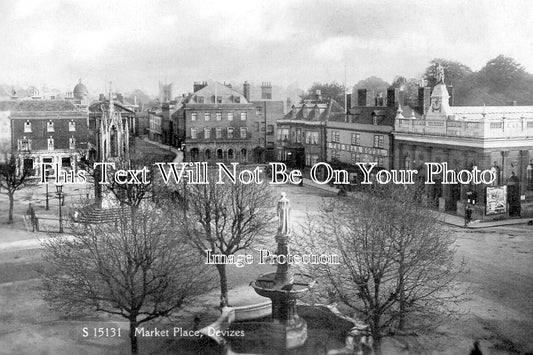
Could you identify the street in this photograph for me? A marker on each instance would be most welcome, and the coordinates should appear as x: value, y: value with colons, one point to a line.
x: 500, y: 311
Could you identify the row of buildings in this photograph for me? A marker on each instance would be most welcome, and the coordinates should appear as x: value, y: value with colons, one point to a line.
x: 219, y: 123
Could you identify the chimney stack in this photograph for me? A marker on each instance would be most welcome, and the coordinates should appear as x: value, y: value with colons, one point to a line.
x: 101, y: 97
x: 289, y: 104
x: 379, y: 99
x: 361, y: 97
x: 450, y: 91
x: 424, y: 94
x: 348, y: 102
x: 246, y: 90
x: 391, y: 98
x: 266, y: 91
x: 199, y: 85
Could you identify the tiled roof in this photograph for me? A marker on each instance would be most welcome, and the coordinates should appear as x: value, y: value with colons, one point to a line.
x: 217, y: 89
x: 44, y: 106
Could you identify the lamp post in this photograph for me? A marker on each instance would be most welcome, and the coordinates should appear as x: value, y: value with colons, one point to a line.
x: 47, y: 173
x: 59, y: 188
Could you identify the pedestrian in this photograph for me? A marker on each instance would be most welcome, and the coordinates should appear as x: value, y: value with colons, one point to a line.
x: 476, y: 350
x: 468, y: 215
x: 31, y: 215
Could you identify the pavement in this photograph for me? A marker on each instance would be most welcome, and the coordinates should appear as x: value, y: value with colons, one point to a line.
x: 443, y: 217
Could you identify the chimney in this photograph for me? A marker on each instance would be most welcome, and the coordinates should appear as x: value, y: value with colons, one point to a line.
x: 120, y: 98
x: 450, y: 91
x: 318, y: 95
x: 379, y: 99
x: 515, y: 103
x: 361, y: 97
x: 199, y: 85
x: 289, y: 104
x: 266, y: 91
x: 424, y: 94
x: 227, y: 85
x: 348, y: 102
x: 101, y: 97
x: 391, y: 98
x: 246, y: 90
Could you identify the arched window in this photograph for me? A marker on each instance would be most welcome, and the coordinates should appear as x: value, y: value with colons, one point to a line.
x: 243, y: 154
x: 194, y: 154
x: 230, y: 153
x: 207, y: 154
x: 220, y: 154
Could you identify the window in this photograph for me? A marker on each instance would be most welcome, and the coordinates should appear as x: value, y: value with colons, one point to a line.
x: 313, y: 137
x: 237, y: 99
x: 335, y: 154
x: 219, y: 116
x: 529, y: 175
x: 378, y: 141
x: 243, y: 116
x: 283, y: 134
x: 194, y: 116
x: 24, y: 144
x: 72, y: 143
x: 207, y: 116
x: 243, y: 132
x: 220, y: 154
x: 27, y: 126
x: 219, y: 99
x: 354, y: 157
x: 257, y: 126
x: 28, y: 166
x: 218, y: 132
x: 50, y: 126
x: 207, y: 132
x: 230, y: 132
x: 311, y: 159
x: 336, y: 136
x: 258, y: 111
x: 65, y: 162
x: 72, y: 126
x: 375, y: 120
x: 50, y: 143
x: 230, y: 116
x: 298, y: 135
x: 200, y: 99
x: 356, y: 139
x: 380, y: 161
x: 270, y: 129
x: 193, y: 133
x: 307, y: 137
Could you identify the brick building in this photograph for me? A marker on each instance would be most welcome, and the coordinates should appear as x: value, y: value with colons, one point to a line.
x: 49, y: 131
x: 301, y: 133
x: 364, y: 134
x: 216, y: 123
x: 267, y: 111
x: 497, y: 138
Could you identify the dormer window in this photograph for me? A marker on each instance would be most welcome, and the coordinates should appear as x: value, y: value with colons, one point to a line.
x: 375, y: 120
x: 72, y: 126
x: 237, y: 99
x: 200, y: 99
x: 50, y: 126
x: 50, y: 143
x: 27, y: 126
x: 72, y: 143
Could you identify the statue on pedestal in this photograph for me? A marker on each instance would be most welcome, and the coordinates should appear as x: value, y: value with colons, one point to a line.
x: 283, y: 212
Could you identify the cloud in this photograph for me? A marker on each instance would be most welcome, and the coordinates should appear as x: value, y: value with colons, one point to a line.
x: 136, y: 43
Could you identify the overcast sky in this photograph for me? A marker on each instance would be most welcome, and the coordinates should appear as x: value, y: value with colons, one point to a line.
x: 135, y: 44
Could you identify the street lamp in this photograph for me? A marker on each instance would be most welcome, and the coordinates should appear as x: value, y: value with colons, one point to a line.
x: 47, y: 174
x: 59, y: 190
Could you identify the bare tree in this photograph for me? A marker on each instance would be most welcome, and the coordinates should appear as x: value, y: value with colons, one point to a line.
x: 225, y: 219
x: 397, y: 269
x: 14, y: 175
x: 139, y: 268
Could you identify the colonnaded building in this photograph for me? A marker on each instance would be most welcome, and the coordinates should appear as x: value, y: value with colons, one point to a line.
x: 497, y: 138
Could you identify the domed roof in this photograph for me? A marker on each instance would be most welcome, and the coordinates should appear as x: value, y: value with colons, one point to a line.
x: 80, y: 91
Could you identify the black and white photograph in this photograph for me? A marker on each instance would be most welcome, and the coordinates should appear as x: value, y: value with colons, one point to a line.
x: 285, y: 177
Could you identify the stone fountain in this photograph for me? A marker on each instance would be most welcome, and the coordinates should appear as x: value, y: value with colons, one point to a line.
x: 283, y: 288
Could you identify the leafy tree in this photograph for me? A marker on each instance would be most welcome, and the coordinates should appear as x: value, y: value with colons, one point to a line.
x: 453, y: 71
x: 332, y: 90
x: 13, y: 177
x: 500, y: 73
x: 396, y: 270
x: 224, y: 219
x: 137, y: 268
x: 409, y: 88
x: 372, y: 83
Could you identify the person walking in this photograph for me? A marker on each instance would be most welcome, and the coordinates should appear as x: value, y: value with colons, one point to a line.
x: 468, y: 215
x: 31, y: 215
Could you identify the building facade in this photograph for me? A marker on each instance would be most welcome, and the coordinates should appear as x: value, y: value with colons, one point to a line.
x: 495, y: 138
x: 301, y: 134
x: 49, y: 131
x: 217, y: 124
